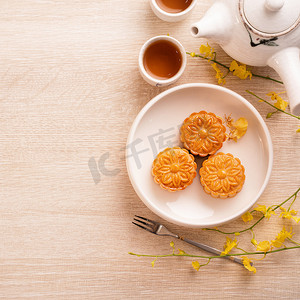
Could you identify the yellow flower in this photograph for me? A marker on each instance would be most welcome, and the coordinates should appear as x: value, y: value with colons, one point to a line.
x: 181, y: 252
x: 289, y: 214
x: 247, y: 217
x: 280, y: 104
x: 273, y: 95
x: 269, y: 213
x: 264, y: 246
x: 237, y: 128
x: 261, y: 208
x: 248, y: 264
x: 219, y: 74
x: 296, y: 219
x: 208, y: 51
x: 282, y: 235
x: 229, y: 245
x: 240, y: 70
x: 193, y: 54
x: 196, y: 265
x: 153, y: 262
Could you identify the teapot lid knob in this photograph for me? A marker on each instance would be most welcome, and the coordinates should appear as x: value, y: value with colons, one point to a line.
x: 270, y: 18
x: 274, y: 5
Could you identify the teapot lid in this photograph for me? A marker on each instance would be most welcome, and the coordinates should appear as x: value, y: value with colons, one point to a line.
x: 270, y: 18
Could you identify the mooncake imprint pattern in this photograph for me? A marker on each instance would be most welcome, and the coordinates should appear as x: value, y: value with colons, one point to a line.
x: 174, y: 169
x: 222, y: 175
x: 203, y: 133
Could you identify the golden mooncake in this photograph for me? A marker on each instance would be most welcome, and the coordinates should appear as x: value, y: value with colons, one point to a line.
x: 174, y: 169
x: 203, y: 133
x: 222, y: 175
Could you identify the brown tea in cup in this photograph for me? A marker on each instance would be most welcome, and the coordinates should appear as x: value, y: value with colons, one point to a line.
x: 162, y: 59
x: 173, y: 6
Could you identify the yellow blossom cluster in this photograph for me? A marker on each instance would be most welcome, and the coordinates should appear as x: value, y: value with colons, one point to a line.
x: 263, y: 248
x: 229, y: 245
x: 281, y: 237
x: 240, y: 70
x: 247, y: 217
x: 219, y: 75
x: 290, y: 214
x: 267, y: 212
x: 266, y: 246
x: 209, y: 53
x: 196, y: 265
x: 280, y: 103
x: 237, y: 128
x: 248, y: 264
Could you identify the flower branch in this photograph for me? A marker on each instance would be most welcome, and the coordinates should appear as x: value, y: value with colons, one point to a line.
x: 212, y: 57
x: 267, y: 214
x: 262, y: 248
x: 275, y: 107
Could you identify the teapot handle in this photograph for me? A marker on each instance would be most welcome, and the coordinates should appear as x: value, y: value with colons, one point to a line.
x: 287, y: 64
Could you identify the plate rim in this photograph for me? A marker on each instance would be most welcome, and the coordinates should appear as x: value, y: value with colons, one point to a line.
x: 160, y: 96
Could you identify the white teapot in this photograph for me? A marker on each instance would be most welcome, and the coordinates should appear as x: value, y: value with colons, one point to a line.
x: 258, y: 33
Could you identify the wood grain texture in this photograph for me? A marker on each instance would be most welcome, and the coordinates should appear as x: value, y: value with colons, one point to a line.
x: 69, y: 91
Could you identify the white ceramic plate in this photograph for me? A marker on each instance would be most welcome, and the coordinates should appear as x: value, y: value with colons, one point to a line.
x: 157, y: 126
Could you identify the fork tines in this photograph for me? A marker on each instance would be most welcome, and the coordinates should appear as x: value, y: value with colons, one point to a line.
x: 148, y: 226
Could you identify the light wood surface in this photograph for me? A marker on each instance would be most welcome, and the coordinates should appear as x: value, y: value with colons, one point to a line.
x: 69, y: 92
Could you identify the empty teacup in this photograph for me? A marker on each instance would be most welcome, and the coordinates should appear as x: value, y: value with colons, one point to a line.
x: 172, y: 10
x: 162, y: 60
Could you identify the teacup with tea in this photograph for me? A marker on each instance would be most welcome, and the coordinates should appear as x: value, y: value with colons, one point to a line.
x: 172, y: 10
x: 162, y: 60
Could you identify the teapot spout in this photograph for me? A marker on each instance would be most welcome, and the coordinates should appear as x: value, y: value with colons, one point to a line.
x: 215, y: 25
x: 287, y: 64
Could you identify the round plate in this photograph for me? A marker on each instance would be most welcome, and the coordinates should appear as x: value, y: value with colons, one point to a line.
x: 157, y: 127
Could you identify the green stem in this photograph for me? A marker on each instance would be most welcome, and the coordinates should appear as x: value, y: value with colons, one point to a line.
x: 285, y: 112
x: 210, y: 59
x: 241, y: 249
x: 293, y: 241
x: 267, y: 77
x: 206, y: 263
x: 289, y: 198
x: 216, y: 256
x: 295, y: 197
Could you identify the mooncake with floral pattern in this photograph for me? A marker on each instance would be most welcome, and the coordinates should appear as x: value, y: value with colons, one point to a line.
x: 174, y: 169
x: 222, y: 175
x: 203, y: 133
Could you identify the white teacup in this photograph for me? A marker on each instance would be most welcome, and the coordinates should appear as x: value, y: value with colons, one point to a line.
x: 171, y: 17
x: 149, y: 77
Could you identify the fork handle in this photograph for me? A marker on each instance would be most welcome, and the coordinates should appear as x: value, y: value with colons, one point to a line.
x: 212, y: 250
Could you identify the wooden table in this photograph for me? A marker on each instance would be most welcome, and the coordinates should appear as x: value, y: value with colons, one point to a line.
x: 69, y: 92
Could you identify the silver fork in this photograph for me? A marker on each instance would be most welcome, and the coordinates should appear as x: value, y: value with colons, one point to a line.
x: 159, y: 229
